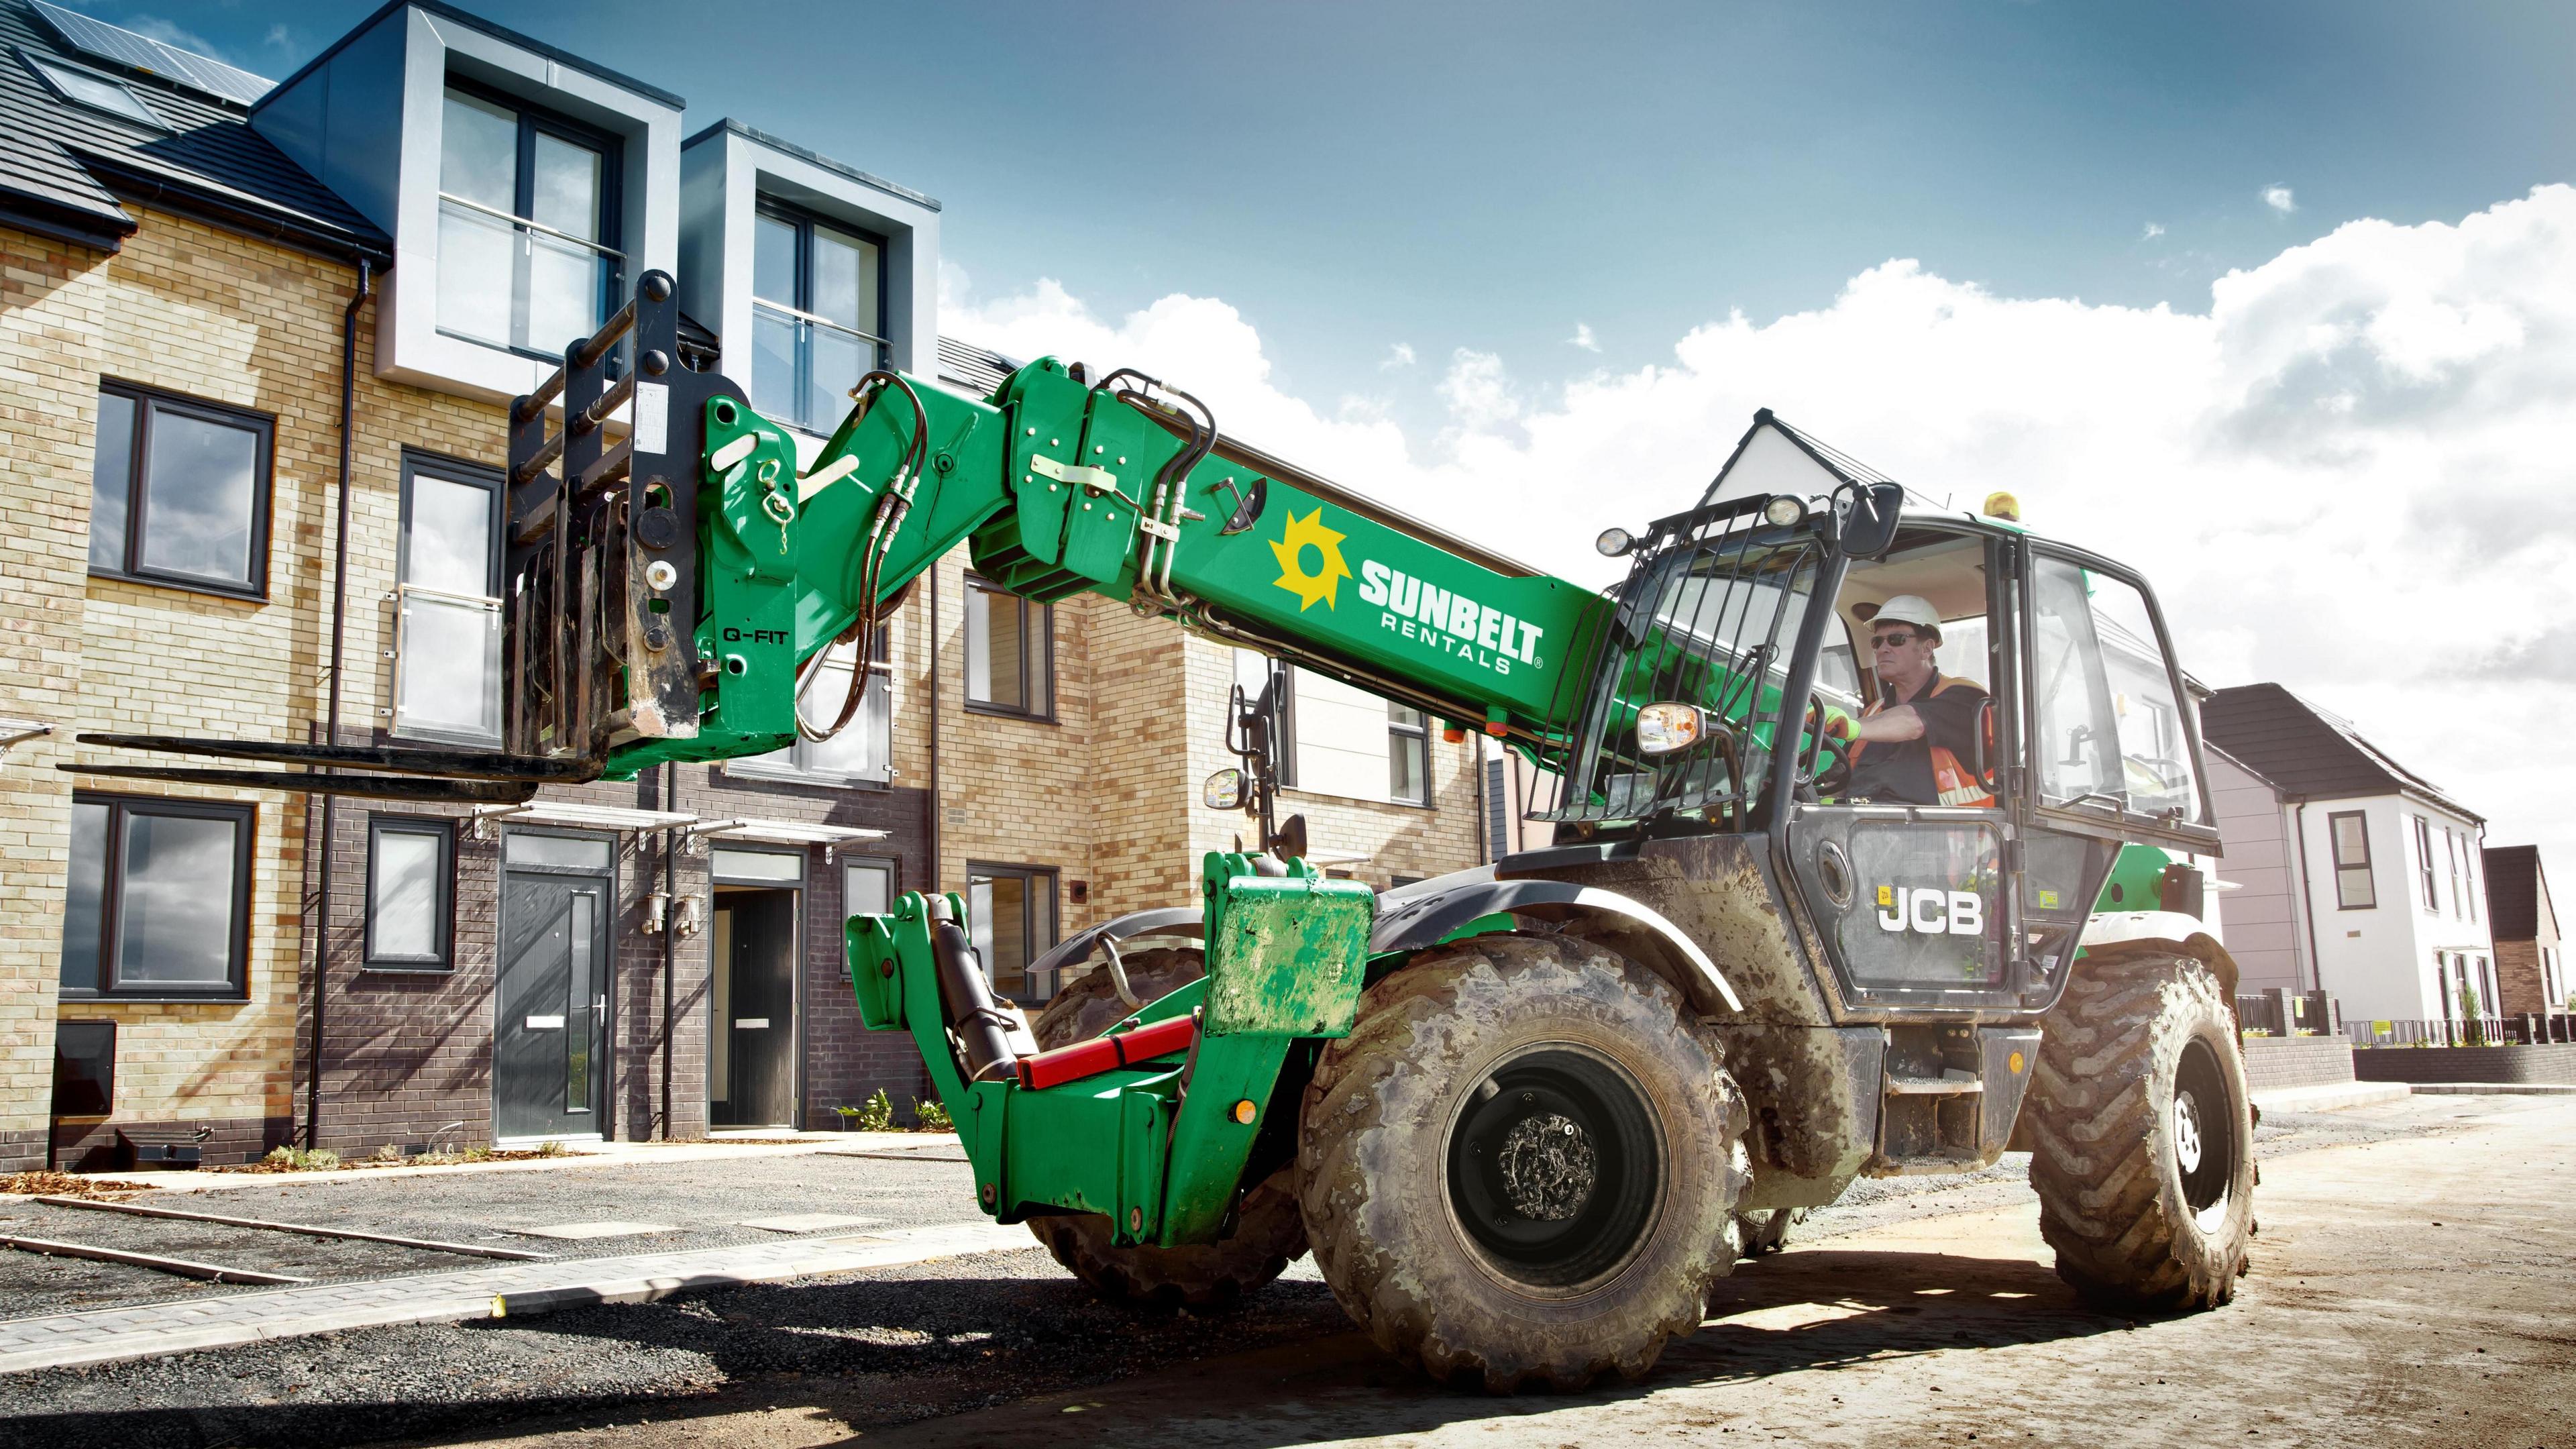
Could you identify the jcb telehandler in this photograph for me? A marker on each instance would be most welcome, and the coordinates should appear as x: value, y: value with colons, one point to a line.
x: 1525, y: 1116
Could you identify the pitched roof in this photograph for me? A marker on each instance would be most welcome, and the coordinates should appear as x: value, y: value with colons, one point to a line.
x: 64, y: 166
x: 2515, y: 889
x: 2306, y: 751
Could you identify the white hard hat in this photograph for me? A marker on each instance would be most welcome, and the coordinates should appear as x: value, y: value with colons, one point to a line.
x: 1908, y: 609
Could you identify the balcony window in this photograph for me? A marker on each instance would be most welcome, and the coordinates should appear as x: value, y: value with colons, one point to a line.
x: 864, y: 749
x: 157, y: 903
x: 179, y: 492
x: 1010, y: 653
x: 447, y: 624
x: 526, y: 220
x: 818, y: 297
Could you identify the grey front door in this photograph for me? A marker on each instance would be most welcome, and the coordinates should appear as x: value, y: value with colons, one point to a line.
x: 548, y: 1068
x: 760, y: 1014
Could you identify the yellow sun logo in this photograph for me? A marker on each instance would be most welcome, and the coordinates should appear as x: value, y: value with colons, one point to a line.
x: 1325, y: 581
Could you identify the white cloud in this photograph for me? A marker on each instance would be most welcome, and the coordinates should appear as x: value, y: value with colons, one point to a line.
x: 2349, y: 474
x: 2279, y: 199
x: 279, y: 37
x: 1583, y: 338
x: 1398, y: 355
x: 2154, y: 229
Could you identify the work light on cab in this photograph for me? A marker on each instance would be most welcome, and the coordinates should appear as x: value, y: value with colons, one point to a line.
x: 1784, y: 510
x: 1615, y: 542
x: 1669, y: 726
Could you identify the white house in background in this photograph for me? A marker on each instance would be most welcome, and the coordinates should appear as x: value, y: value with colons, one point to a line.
x: 2356, y: 875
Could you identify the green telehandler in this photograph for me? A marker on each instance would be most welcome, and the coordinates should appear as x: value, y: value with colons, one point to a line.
x: 1526, y: 1116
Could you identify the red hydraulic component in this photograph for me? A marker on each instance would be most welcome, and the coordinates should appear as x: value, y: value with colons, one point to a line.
x: 1106, y: 1053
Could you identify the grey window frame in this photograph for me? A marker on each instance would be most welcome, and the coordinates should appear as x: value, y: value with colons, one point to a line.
x: 797, y: 767
x: 2335, y: 860
x: 442, y: 907
x: 468, y: 474
x: 1042, y: 940
x: 893, y: 867
x: 2424, y: 864
x: 534, y: 118
x: 107, y: 1080
x: 1031, y: 670
x: 804, y: 220
x: 147, y: 402
x: 1398, y: 736
x: 236, y: 985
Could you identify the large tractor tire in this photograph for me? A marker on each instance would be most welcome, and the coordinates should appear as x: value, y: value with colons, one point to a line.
x: 1518, y: 1170
x: 2142, y: 1134
x: 1269, y: 1233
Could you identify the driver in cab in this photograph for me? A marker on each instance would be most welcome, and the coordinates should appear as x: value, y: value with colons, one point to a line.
x: 1912, y: 746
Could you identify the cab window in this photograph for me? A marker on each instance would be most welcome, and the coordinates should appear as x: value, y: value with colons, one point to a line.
x: 2110, y: 730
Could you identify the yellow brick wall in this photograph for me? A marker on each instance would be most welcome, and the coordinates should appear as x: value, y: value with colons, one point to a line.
x: 52, y: 308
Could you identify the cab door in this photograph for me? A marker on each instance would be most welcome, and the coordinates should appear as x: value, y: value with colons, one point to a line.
x: 2110, y: 744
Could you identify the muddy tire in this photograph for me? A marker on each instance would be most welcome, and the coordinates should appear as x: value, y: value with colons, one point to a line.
x: 2142, y: 1135
x: 1519, y: 1168
x: 1269, y: 1233
x: 1762, y: 1232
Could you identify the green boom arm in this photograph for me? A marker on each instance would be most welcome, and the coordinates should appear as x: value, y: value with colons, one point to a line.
x: 1061, y: 486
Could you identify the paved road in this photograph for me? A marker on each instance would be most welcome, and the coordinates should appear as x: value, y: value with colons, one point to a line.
x: 1930, y: 1316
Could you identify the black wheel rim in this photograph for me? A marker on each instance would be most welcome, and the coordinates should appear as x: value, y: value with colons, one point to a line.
x: 1554, y: 1171
x: 2203, y: 1133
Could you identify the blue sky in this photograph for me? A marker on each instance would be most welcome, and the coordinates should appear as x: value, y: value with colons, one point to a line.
x: 1489, y: 176
x: 2276, y: 301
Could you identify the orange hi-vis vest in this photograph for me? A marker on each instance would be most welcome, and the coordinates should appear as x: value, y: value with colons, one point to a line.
x: 1955, y: 782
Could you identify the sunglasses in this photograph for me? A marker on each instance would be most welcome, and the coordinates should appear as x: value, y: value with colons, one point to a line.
x: 1892, y: 641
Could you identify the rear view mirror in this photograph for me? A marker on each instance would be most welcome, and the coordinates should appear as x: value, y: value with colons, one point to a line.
x: 1866, y: 515
x: 1223, y: 790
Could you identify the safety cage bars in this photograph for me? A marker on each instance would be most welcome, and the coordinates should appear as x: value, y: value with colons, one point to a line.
x: 1708, y: 615
x: 600, y: 589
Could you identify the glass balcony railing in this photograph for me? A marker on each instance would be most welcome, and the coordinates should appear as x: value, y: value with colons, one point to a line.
x: 447, y: 664
x: 520, y: 284
x: 803, y: 366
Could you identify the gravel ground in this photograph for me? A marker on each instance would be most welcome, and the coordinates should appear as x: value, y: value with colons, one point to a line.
x: 705, y: 1201
x: 884, y: 1347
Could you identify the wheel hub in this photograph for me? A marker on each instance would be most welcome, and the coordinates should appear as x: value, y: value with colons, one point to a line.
x: 1547, y: 1166
x: 1554, y: 1169
x: 2186, y: 1131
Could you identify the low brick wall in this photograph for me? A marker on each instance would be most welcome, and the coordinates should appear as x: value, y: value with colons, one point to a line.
x: 2275, y: 1062
x: 2467, y: 1064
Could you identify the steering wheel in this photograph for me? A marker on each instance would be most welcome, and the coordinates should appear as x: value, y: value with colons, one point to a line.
x: 1811, y: 782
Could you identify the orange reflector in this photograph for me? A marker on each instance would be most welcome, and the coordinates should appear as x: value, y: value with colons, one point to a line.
x: 1244, y: 1110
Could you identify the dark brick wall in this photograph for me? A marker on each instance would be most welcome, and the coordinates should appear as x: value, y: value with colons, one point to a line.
x: 2272, y: 1063
x: 21, y: 1151
x: 406, y: 1052
x: 2555, y: 1063
x: 92, y: 1146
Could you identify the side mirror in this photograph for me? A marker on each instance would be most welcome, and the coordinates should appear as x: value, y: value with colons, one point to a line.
x: 1866, y: 516
x: 1290, y: 841
x: 1223, y: 790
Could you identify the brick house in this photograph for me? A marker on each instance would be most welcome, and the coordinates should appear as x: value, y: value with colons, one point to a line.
x: 193, y: 256
x: 2531, y: 975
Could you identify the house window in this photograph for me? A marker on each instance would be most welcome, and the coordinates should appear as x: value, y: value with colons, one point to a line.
x: 868, y: 887
x: 2351, y: 837
x: 527, y: 212
x: 2424, y: 864
x: 1011, y: 919
x: 447, y: 604
x: 864, y: 749
x: 94, y: 91
x: 1408, y: 751
x: 1010, y: 653
x: 411, y: 863
x: 179, y: 492
x: 818, y: 297
x: 158, y: 899
x: 2451, y: 839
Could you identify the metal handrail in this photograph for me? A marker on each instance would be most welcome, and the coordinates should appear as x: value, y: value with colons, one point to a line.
x: 491, y: 211
x: 405, y: 590
x: 799, y: 315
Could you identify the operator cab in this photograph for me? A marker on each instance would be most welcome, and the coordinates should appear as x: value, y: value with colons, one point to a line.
x: 1954, y: 871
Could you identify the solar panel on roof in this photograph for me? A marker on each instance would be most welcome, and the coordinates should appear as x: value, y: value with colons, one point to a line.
x: 123, y: 47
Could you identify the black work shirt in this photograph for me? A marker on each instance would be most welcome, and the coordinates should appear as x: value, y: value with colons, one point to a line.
x: 1899, y: 772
